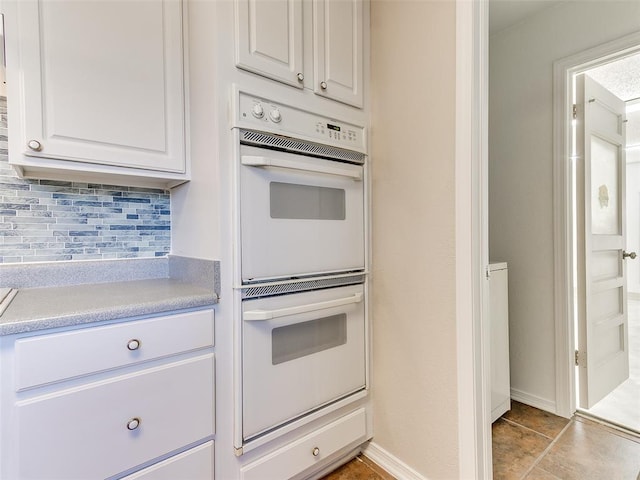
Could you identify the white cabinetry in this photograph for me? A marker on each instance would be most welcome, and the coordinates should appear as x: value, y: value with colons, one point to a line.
x: 97, y: 87
x: 304, y: 453
x: 499, y: 324
x: 270, y: 42
x: 110, y: 400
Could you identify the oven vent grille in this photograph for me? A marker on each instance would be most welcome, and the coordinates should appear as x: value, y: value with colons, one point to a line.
x: 279, y: 289
x: 287, y: 144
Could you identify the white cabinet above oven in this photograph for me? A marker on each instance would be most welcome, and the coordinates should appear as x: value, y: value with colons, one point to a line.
x: 271, y: 36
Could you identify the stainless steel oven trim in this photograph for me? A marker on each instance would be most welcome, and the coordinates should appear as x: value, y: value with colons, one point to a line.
x: 295, y: 145
x: 299, y: 285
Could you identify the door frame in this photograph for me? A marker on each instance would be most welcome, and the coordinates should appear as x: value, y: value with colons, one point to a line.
x: 472, y: 239
x: 563, y: 217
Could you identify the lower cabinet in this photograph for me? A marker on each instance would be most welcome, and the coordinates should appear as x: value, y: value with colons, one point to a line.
x: 304, y: 453
x: 106, y: 423
x: 194, y: 464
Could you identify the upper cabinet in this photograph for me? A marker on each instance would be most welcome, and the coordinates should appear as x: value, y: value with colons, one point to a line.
x: 269, y: 39
x: 97, y: 87
x: 270, y: 42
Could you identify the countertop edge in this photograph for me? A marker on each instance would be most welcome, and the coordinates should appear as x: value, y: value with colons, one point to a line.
x: 117, y: 312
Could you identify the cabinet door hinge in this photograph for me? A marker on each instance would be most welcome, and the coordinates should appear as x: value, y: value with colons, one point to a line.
x: 575, y: 111
x: 577, y: 358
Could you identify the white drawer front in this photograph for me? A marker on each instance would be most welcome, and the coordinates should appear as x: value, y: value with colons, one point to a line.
x: 194, y: 464
x: 82, y: 433
x: 299, y: 455
x: 58, y: 356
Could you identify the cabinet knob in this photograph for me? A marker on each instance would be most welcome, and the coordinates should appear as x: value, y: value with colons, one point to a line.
x: 631, y: 255
x: 34, y: 145
x: 315, y: 451
x: 323, y: 85
x: 300, y: 76
x: 134, y: 344
x: 133, y: 423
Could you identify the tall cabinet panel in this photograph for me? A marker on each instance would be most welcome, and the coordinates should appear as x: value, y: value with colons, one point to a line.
x: 499, y: 323
x: 98, y: 82
x: 269, y: 39
x: 338, y: 50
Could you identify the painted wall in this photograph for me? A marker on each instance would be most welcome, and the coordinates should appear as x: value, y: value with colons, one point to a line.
x: 42, y: 220
x: 521, y: 171
x: 413, y: 52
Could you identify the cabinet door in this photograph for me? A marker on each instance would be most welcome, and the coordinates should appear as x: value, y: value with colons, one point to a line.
x: 101, y: 82
x: 269, y: 39
x: 338, y: 50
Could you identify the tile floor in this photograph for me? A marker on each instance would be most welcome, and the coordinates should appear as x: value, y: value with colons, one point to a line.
x: 360, y: 468
x: 530, y: 444
x: 535, y: 445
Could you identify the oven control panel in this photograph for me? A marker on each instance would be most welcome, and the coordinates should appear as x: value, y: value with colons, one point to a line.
x: 259, y: 113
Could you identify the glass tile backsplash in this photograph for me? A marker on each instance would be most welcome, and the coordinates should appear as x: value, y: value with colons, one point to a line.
x: 43, y: 220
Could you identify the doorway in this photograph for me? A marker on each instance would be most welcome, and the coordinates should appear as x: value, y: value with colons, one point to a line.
x: 615, y: 398
x: 617, y: 403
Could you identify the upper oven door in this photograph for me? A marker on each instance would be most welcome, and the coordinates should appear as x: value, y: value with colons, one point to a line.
x: 299, y: 215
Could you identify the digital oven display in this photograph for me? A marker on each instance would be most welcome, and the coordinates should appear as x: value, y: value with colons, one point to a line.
x: 333, y: 127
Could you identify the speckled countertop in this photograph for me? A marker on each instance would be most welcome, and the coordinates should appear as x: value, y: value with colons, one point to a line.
x: 43, y: 307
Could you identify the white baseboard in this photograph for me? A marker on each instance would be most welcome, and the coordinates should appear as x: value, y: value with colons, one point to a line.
x: 534, y: 401
x: 390, y: 463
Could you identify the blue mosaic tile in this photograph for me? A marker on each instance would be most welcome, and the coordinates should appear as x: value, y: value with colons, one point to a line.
x: 52, y: 220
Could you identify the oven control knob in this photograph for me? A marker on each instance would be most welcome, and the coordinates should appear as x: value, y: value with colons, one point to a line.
x: 275, y: 115
x: 257, y: 110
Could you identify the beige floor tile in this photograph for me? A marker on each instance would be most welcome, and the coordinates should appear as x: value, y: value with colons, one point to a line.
x: 376, y: 468
x: 545, y: 423
x: 586, y: 451
x: 358, y: 469
x: 515, y: 450
x: 539, y: 474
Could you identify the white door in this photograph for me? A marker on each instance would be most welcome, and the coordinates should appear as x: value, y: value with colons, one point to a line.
x: 602, y: 303
x: 269, y: 39
x: 338, y: 50
x: 98, y: 82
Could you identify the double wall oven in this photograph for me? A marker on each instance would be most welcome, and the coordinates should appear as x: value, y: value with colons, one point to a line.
x: 301, y: 323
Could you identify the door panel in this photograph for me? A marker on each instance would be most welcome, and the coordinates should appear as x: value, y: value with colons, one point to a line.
x: 602, y: 307
x: 269, y: 39
x: 338, y: 47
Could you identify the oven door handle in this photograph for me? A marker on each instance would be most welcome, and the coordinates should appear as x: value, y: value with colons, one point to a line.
x: 260, y: 315
x: 260, y: 161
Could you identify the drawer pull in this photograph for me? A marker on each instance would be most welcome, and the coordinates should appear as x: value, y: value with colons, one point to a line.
x: 134, y: 344
x: 133, y: 423
x: 315, y: 451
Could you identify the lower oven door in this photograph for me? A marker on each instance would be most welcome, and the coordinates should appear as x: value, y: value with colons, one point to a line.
x: 299, y: 215
x: 300, y: 352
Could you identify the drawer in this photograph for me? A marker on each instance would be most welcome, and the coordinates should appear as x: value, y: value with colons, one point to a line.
x: 59, y: 356
x: 85, y: 432
x: 194, y: 464
x: 302, y: 454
